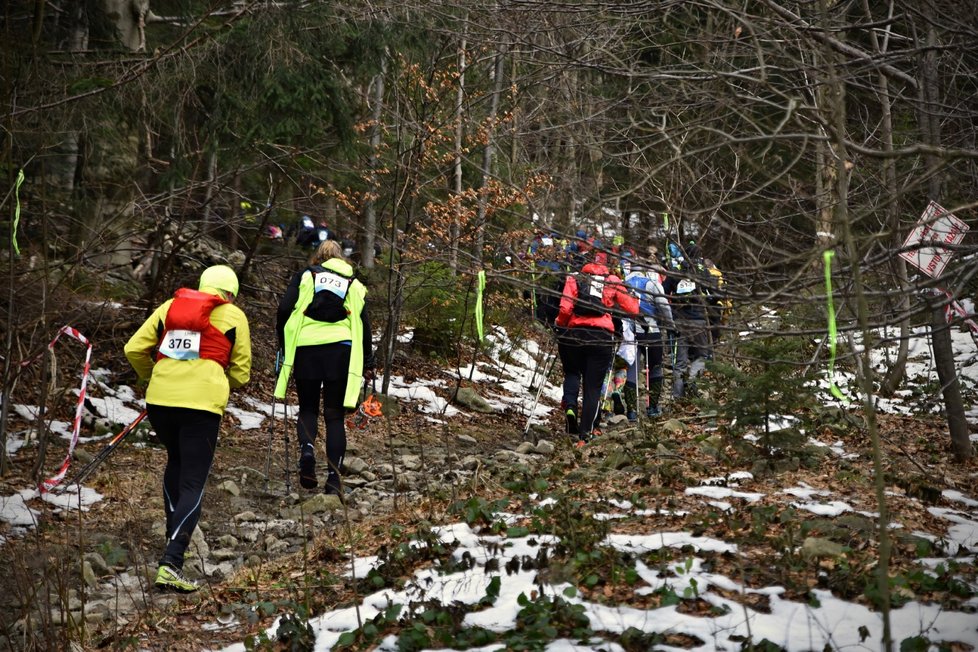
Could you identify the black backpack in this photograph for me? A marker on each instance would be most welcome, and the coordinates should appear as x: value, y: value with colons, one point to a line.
x: 329, y: 299
x: 590, y: 290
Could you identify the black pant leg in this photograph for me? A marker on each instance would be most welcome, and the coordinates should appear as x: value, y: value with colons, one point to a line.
x: 190, y: 437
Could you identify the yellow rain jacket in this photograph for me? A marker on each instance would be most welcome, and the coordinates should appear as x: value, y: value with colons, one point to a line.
x: 198, y: 384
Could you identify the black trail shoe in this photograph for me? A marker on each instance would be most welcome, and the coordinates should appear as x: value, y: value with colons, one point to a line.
x: 307, y: 468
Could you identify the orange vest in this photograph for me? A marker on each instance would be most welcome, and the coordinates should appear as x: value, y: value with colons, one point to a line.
x: 191, y: 311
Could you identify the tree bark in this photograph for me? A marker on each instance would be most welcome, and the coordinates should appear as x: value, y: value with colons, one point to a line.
x: 930, y: 124
x: 455, y: 227
x: 897, y: 369
x: 370, y: 205
x: 487, y: 156
x: 836, y: 122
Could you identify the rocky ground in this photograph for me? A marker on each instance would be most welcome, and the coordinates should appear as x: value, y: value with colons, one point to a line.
x: 83, y: 579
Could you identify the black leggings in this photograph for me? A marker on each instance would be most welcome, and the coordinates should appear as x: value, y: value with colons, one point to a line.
x: 332, y: 392
x: 586, y: 355
x: 190, y: 437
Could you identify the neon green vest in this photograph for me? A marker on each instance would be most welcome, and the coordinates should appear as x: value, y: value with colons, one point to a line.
x: 303, y: 331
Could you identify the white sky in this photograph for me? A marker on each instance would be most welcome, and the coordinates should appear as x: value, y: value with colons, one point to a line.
x: 792, y: 625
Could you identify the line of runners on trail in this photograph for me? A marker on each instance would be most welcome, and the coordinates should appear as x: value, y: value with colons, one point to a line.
x: 615, y: 315
x: 600, y: 300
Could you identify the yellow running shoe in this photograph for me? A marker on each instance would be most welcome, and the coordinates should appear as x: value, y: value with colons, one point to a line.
x: 171, y: 579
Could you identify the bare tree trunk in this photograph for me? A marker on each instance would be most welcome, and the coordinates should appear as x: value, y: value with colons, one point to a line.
x: 209, y: 192
x: 262, y: 223
x: 488, y: 154
x: 455, y: 228
x: 897, y: 369
x: 929, y: 108
x: 370, y: 206
x: 837, y: 127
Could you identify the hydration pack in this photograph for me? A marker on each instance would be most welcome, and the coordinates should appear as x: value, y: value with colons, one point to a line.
x: 329, y: 299
x: 590, y: 292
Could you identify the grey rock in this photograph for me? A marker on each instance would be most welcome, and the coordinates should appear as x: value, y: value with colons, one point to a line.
x: 470, y: 463
x: 88, y: 575
x: 227, y: 541
x: 223, y: 554
x: 508, y: 457
x: 280, y: 546
x: 618, y: 419
x: 249, y: 534
x: 97, y: 562
x: 321, y: 503
x: 545, y: 447
x: 818, y: 548
x: 231, y: 487
x: 222, y: 571
x: 408, y: 481
x: 526, y: 448
x: 468, y: 397
x: 354, y: 465
x: 467, y: 439
x: 96, y: 612
x: 411, y: 462
x: 672, y: 425
x: 245, y: 517
x: 617, y: 458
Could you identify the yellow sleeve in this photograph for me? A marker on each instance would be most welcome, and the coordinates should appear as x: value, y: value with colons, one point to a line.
x: 239, y: 368
x: 141, y: 348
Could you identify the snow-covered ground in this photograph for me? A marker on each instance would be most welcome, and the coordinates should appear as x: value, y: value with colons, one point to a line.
x: 827, y: 621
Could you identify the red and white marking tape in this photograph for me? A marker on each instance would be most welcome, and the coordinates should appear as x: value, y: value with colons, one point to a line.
x: 953, y: 307
x: 54, y: 480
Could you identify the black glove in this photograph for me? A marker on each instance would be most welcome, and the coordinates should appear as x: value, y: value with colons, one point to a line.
x: 369, y: 374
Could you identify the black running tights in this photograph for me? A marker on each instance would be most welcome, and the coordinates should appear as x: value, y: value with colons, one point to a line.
x: 190, y: 437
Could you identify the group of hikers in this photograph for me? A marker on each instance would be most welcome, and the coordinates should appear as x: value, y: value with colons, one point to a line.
x: 616, y: 315
x: 309, y: 234
x: 196, y: 347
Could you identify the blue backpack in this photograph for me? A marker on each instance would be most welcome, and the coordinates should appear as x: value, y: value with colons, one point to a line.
x: 646, y: 302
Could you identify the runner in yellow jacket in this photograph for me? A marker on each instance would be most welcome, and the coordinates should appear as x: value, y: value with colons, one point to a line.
x: 324, y: 334
x: 193, y: 350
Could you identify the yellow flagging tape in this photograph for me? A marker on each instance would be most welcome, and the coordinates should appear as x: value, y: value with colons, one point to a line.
x: 478, y: 304
x: 833, y: 388
x: 13, y: 227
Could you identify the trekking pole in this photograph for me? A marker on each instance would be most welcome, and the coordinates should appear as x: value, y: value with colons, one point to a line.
x: 609, y: 380
x: 288, y: 467
x: 268, y: 451
x: 536, y: 399
x: 643, y: 407
x: 638, y: 381
x: 550, y: 350
x: 89, y: 468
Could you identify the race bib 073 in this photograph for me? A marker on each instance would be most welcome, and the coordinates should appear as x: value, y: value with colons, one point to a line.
x: 181, y: 345
x: 331, y: 282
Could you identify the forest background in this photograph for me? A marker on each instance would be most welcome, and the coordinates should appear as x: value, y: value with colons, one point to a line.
x: 442, y: 136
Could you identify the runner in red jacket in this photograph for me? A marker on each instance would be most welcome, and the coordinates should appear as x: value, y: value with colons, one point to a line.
x: 586, y: 340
